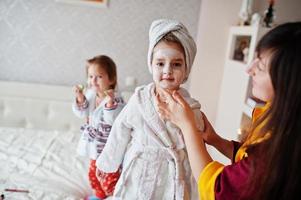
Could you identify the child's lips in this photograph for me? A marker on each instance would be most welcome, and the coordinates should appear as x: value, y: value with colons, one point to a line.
x: 168, y: 79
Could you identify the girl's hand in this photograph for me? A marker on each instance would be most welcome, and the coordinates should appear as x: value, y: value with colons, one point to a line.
x: 111, y: 96
x: 175, y: 109
x: 79, y: 95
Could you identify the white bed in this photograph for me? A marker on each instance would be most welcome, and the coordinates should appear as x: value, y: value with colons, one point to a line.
x: 38, y: 138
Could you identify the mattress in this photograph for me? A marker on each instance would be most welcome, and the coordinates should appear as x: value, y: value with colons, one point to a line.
x: 42, y: 162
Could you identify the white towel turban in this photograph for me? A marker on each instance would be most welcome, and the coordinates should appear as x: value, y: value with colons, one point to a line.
x: 159, y: 28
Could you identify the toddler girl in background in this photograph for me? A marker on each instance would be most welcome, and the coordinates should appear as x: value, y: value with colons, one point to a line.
x: 100, y: 105
x: 152, y: 152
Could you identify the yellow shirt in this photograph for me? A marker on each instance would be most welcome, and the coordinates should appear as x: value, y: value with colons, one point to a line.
x: 206, y: 181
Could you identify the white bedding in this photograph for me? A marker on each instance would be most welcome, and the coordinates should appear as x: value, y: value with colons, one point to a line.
x: 43, y: 162
x: 38, y: 152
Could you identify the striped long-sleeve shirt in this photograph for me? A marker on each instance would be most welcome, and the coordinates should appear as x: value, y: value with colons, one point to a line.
x: 99, y: 123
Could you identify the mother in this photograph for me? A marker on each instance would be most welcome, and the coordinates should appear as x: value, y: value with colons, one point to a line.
x: 267, y: 164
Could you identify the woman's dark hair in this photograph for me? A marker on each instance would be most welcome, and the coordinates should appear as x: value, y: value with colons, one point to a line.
x: 276, y: 170
x: 107, y: 64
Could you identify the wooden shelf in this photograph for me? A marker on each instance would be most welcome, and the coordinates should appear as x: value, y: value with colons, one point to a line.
x: 234, y: 107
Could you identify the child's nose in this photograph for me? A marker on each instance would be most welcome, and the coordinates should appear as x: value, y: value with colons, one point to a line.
x: 167, y: 69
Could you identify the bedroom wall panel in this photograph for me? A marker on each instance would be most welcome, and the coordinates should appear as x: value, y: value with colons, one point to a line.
x: 36, y: 106
x: 37, y: 114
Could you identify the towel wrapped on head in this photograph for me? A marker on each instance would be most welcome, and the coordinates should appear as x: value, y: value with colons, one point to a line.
x: 159, y: 28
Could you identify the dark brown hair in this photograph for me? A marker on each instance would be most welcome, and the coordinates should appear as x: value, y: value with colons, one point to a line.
x: 275, y: 173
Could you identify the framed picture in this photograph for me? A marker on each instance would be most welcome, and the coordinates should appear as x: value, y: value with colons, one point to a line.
x: 241, y: 48
x: 92, y: 3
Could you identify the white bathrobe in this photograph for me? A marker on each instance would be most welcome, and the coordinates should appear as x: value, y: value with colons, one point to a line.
x: 151, y: 152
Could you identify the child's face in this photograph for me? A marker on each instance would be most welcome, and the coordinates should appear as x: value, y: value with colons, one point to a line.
x: 98, y: 78
x: 168, y: 65
x: 262, y: 87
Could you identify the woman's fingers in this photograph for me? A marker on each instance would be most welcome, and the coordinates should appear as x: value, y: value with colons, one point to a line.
x: 163, y: 114
x: 157, y: 99
x: 162, y: 104
x: 206, y: 122
x: 179, y: 99
x: 161, y: 107
x: 158, y: 102
x: 165, y: 95
x: 207, y: 125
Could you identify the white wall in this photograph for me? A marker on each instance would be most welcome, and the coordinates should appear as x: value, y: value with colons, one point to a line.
x: 44, y: 41
x: 216, y: 16
x: 285, y: 10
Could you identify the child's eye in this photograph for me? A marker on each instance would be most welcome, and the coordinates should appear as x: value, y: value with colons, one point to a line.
x: 99, y: 76
x: 160, y: 64
x: 177, y: 64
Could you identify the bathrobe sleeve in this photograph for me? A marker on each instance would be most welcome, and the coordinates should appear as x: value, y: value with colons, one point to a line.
x: 120, y: 136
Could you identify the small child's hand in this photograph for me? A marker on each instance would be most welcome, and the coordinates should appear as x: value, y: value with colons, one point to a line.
x: 110, y: 94
x: 81, y: 87
x: 79, y: 94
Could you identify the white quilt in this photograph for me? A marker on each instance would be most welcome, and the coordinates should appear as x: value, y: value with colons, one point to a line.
x: 44, y: 163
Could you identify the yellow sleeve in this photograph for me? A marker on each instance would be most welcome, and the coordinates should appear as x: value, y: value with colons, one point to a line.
x: 206, y: 181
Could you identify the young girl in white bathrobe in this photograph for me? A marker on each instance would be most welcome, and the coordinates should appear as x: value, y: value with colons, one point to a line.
x: 100, y: 105
x: 151, y: 151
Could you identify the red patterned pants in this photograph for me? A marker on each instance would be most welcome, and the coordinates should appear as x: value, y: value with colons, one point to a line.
x: 102, y: 183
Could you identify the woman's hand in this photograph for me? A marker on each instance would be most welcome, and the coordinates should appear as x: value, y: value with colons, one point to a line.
x: 175, y: 109
x: 212, y: 138
x: 209, y: 135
